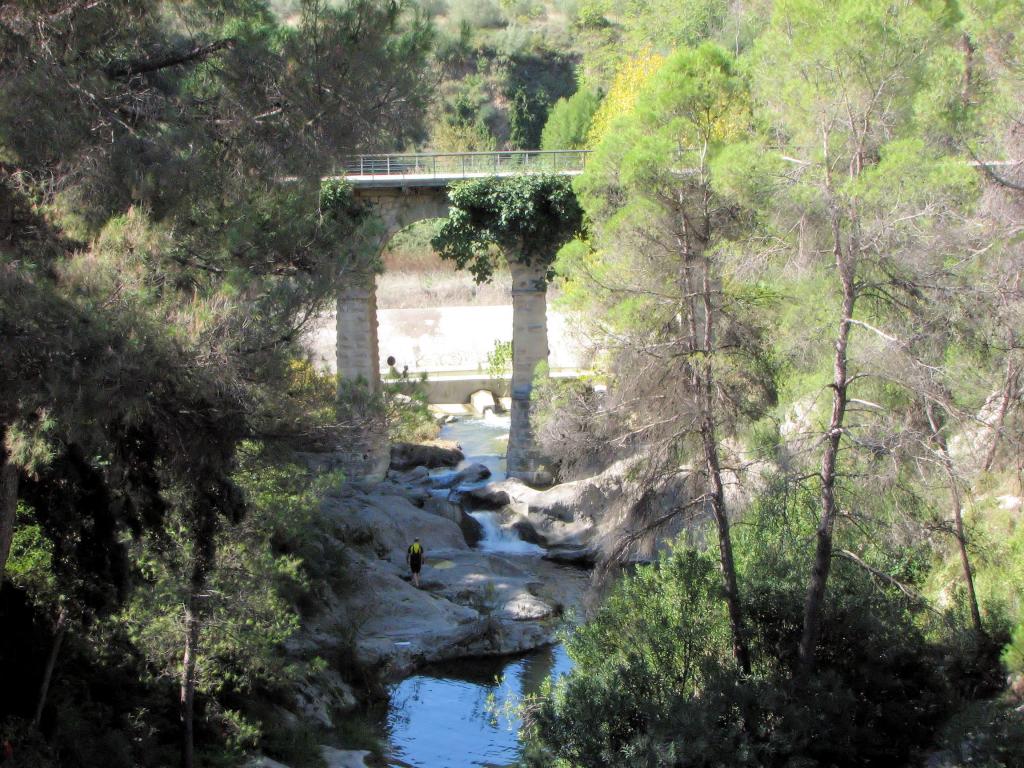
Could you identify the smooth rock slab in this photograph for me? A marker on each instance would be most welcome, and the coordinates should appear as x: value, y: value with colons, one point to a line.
x: 344, y: 758
x: 474, y: 473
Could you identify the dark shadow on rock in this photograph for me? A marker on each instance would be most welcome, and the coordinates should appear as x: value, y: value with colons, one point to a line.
x: 485, y: 497
x: 526, y: 531
x: 406, y: 456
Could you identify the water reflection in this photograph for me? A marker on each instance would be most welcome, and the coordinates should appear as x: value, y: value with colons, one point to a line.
x: 441, y: 718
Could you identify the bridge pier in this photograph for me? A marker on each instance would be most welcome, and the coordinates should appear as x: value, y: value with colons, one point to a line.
x: 357, y: 355
x: 529, y: 348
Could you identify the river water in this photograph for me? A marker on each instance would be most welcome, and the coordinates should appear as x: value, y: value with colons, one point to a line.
x: 441, y: 717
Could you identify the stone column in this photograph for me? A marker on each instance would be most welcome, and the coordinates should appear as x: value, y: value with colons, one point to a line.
x: 529, y: 347
x: 358, y: 358
x: 364, y: 451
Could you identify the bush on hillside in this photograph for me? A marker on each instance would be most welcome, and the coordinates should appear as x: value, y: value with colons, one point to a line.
x: 478, y: 14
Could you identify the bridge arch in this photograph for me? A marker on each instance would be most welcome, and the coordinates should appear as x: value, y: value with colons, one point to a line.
x: 405, y: 189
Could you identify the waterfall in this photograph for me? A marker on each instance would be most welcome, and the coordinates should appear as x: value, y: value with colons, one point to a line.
x: 499, y: 539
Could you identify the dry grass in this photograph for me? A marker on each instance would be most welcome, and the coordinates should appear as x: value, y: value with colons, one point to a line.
x: 439, y: 288
x: 418, y: 277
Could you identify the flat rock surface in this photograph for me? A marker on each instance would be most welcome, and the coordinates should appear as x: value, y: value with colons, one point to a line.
x: 383, y: 521
x: 344, y: 758
x: 470, y: 603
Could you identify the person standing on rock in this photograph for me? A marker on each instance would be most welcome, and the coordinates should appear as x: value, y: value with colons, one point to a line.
x: 414, y: 557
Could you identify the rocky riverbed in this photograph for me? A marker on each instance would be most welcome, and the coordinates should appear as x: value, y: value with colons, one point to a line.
x: 504, y: 564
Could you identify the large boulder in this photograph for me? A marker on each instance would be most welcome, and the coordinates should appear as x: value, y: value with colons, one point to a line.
x: 406, y: 456
x: 474, y: 473
x: 485, y: 497
x: 470, y: 604
x: 381, y: 522
x: 582, y: 518
x: 470, y: 527
x: 410, y: 478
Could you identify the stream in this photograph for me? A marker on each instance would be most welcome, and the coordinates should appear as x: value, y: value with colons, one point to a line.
x: 439, y: 717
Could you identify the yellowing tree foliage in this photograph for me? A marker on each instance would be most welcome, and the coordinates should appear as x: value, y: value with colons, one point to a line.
x: 632, y: 76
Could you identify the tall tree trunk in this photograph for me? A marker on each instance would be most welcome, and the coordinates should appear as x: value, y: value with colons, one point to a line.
x: 193, y: 624
x: 961, y: 543
x: 967, y: 80
x: 814, y: 603
x: 725, y: 558
x: 1009, y: 388
x: 958, y: 519
x: 8, y: 508
x: 60, y: 628
x: 714, y: 469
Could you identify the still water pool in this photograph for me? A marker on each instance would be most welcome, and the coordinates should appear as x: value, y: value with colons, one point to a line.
x: 441, y: 717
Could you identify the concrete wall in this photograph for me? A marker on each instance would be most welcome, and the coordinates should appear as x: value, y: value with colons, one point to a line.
x: 447, y: 340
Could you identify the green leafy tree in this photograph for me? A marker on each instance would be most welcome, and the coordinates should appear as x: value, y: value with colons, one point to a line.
x: 569, y: 121
x: 682, y: 337
x: 839, y: 83
x: 526, y: 117
x: 528, y: 218
x: 165, y: 240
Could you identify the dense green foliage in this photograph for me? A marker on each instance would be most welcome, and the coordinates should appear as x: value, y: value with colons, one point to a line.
x: 569, y: 121
x: 164, y: 241
x: 796, y: 249
x: 528, y: 218
x: 653, y: 685
x: 800, y: 200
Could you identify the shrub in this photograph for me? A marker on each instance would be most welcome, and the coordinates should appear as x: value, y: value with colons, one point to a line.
x: 569, y: 121
x: 655, y: 684
x: 478, y: 14
x: 499, y: 359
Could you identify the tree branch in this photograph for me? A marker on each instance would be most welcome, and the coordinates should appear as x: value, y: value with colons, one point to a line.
x: 126, y: 69
x: 908, y: 591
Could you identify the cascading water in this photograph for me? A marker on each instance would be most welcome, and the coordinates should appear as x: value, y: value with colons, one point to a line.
x: 484, y: 441
x: 497, y: 538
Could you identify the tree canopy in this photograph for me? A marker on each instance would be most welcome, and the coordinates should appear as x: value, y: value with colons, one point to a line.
x: 528, y: 218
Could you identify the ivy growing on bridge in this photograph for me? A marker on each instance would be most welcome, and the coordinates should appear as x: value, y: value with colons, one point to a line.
x: 527, y: 218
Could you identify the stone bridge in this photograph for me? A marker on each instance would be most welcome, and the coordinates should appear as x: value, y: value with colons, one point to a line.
x: 404, y: 189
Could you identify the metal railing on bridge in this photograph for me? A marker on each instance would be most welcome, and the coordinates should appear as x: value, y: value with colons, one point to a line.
x: 446, y: 165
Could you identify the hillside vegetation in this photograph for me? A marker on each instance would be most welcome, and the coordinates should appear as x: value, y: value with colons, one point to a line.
x: 799, y: 262
x: 802, y: 281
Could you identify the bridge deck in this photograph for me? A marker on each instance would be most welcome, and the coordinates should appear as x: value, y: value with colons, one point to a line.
x: 441, y: 168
